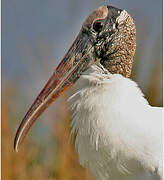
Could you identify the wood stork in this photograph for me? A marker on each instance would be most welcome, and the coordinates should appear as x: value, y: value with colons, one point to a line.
x: 118, y: 134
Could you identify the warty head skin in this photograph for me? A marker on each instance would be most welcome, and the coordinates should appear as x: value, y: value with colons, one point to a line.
x: 112, y: 33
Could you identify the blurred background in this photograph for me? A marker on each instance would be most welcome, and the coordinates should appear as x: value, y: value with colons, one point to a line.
x: 35, y: 36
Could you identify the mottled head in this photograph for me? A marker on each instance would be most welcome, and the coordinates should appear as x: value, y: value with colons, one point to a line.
x: 108, y: 38
x: 114, y: 38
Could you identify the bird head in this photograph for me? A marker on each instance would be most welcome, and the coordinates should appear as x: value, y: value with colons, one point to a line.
x: 112, y: 33
x: 107, y: 37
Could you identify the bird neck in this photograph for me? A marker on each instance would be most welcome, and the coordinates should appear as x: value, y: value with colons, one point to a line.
x: 120, y: 64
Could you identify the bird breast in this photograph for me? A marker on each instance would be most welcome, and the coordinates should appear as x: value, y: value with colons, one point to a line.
x: 108, y: 140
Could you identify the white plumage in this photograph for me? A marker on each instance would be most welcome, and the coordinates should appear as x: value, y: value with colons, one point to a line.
x: 118, y: 134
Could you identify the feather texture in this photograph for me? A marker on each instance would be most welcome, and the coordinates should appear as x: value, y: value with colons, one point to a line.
x: 118, y: 134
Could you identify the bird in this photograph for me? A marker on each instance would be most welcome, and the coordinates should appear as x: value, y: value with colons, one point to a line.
x: 118, y: 134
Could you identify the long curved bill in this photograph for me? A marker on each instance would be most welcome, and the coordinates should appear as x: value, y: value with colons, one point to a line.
x: 67, y: 72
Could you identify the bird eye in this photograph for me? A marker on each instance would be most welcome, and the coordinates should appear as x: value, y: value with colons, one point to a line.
x: 117, y: 25
x: 97, y: 26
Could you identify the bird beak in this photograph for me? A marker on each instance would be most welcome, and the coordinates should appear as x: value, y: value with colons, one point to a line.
x: 67, y: 72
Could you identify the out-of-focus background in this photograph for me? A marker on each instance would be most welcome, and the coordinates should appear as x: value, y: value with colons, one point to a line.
x: 35, y: 36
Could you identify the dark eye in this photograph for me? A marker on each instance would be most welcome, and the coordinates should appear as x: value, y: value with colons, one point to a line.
x: 97, y: 26
x: 116, y: 25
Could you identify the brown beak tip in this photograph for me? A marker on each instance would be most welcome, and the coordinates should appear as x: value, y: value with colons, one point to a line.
x: 15, y: 146
x: 16, y: 143
x: 16, y: 150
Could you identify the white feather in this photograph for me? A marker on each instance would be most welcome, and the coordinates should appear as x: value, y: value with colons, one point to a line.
x: 118, y: 134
